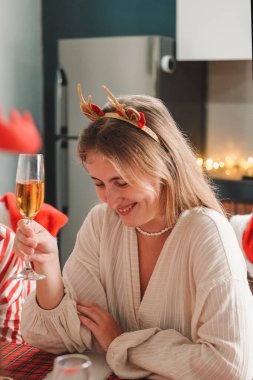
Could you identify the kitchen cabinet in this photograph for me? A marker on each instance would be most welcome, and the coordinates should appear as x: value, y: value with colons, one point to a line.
x: 213, y: 30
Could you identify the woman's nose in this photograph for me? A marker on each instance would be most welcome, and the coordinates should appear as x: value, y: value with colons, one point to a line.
x: 111, y: 198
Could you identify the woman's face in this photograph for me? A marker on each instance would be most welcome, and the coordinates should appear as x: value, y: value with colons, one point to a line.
x: 135, y: 206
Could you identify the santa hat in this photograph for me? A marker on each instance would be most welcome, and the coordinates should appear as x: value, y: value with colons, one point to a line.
x: 19, y: 134
x: 243, y: 227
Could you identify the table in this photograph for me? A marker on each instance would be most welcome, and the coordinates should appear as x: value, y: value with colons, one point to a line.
x: 22, y: 361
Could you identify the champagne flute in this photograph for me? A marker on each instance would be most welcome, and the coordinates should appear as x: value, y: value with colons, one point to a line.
x: 72, y: 367
x: 30, y: 192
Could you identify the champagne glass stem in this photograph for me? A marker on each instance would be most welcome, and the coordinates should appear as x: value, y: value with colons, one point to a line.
x: 28, y: 266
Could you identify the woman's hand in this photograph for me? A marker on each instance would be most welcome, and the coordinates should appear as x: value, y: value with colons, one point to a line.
x: 101, y: 323
x: 34, y: 241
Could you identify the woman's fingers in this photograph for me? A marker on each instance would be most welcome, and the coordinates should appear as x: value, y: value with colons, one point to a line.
x: 99, y: 321
x: 35, y: 241
x: 88, y: 323
x: 91, y: 310
x: 22, y: 254
x: 23, y: 243
x: 22, y: 251
x: 25, y: 228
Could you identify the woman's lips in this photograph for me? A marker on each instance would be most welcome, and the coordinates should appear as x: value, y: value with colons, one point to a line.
x: 125, y: 210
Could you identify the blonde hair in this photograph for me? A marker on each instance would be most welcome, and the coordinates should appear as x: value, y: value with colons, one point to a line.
x: 136, y: 155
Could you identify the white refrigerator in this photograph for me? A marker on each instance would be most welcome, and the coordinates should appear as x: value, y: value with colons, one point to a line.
x: 126, y: 65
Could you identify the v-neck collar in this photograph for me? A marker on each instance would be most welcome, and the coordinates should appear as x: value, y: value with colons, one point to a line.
x: 147, y: 309
x: 150, y: 299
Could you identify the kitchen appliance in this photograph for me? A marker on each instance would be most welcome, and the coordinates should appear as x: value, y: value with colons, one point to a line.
x: 126, y: 65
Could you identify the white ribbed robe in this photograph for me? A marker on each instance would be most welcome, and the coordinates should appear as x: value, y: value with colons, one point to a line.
x: 195, y: 321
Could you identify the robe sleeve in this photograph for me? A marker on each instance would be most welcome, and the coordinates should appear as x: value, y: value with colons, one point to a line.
x: 220, y: 343
x: 59, y: 330
x: 221, y: 350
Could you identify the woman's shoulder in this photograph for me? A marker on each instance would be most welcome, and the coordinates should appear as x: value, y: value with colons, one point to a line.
x: 101, y: 216
x: 98, y: 211
x: 213, y: 243
x: 201, y: 214
x: 101, y: 211
x: 205, y: 223
x: 101, y: 224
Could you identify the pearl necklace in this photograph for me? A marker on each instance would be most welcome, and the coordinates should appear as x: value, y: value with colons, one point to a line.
x: 153, y: 233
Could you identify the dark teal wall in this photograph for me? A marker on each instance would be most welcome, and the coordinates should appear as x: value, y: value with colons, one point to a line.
x: 93, y: 18
x: 80, y: 18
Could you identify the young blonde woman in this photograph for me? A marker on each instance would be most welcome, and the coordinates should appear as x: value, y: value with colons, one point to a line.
x: 156, y: 278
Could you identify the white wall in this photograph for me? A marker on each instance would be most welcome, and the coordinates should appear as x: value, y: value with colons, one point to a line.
x: 20, y: 70
x: 209, y: 30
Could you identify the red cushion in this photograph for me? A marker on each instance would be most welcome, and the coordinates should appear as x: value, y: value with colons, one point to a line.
x: 48, y: 216
x: 247, y: 240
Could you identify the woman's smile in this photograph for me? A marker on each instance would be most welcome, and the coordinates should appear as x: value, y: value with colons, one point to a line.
x: 126, y: 209
x: 134, y: 205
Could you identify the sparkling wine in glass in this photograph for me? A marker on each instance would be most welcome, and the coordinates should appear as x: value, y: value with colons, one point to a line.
x: 72, y: 367
x: 30, y: 192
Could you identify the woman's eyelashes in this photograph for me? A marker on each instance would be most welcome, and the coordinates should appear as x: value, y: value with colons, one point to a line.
x: 116, y: 183
x: 99, y: 184
x: 121, y: 184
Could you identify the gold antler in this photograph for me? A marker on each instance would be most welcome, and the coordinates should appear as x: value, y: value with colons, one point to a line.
x: 130, y: 115
x: 92, y: 111
x: 114, y: 101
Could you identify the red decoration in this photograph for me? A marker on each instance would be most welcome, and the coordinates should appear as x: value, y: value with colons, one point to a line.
x: 247, y: 240
x: 142, y: 120
x: 19, y: 134
x: 95, y: 108
x: 119, y: 113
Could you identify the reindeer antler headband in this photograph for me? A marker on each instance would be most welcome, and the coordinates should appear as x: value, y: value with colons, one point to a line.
x: 128, y: 114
